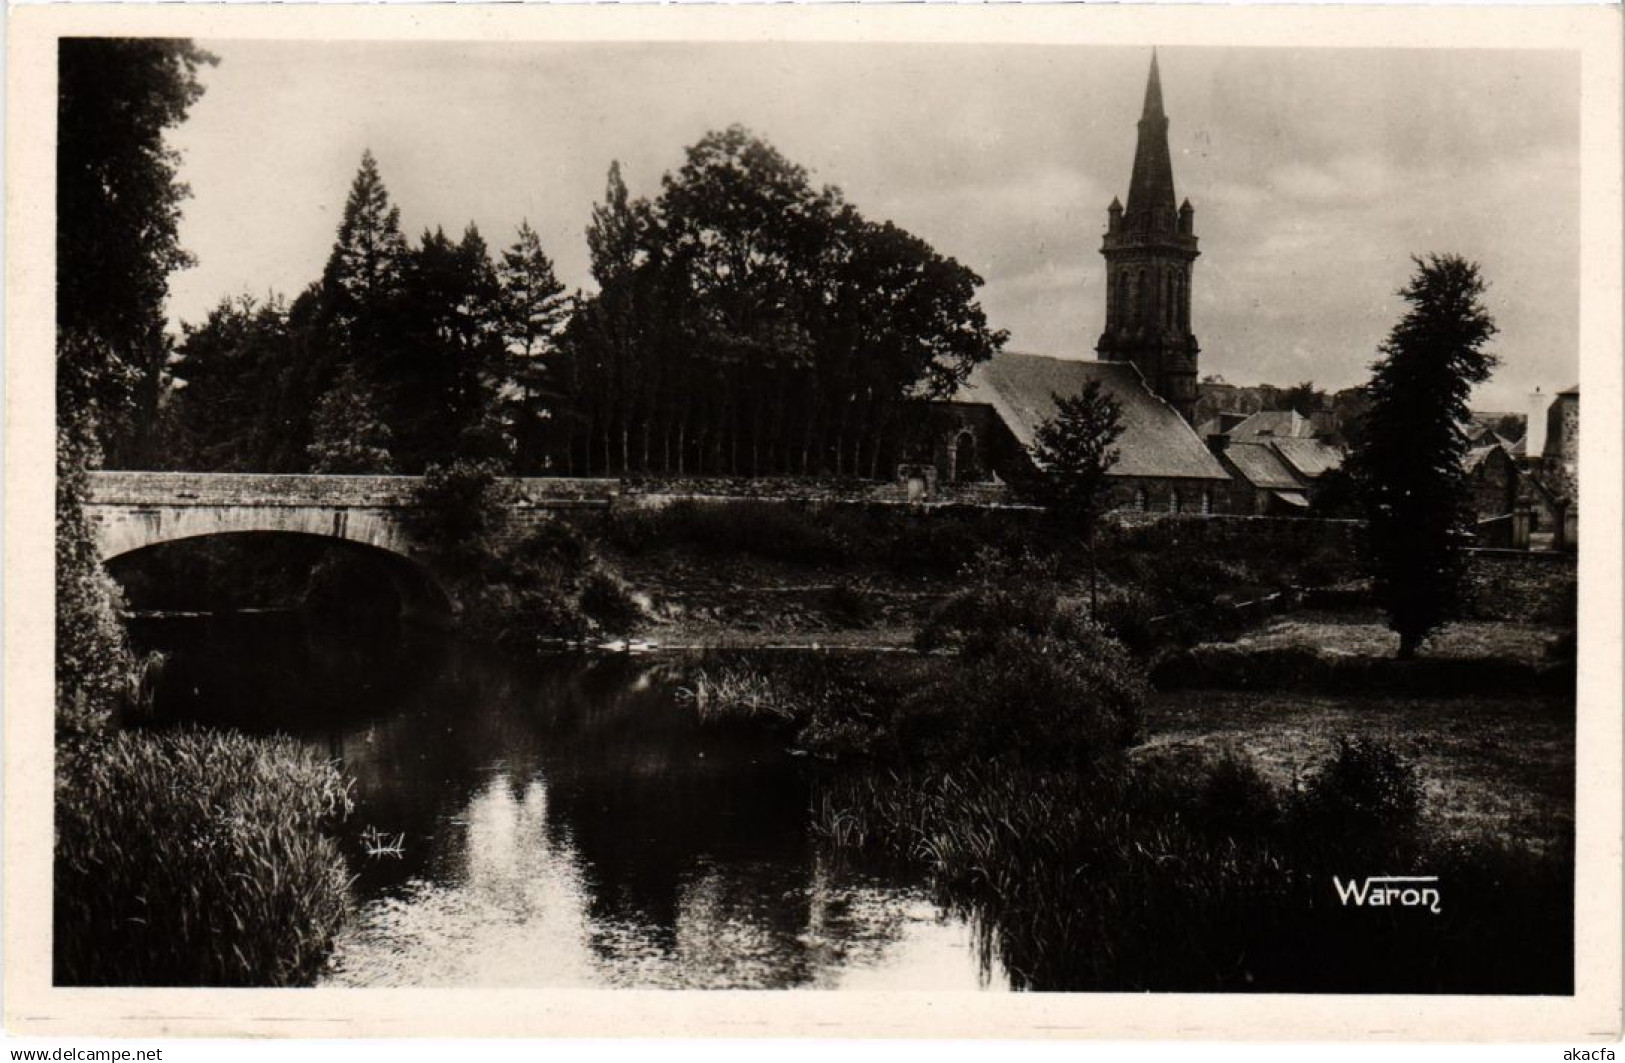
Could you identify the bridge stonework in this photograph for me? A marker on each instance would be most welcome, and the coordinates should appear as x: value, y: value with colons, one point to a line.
x: 132, y: 510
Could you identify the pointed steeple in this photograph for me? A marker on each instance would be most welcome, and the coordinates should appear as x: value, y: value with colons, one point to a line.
x: 1153, y: 92
x: 1150, y: 248
x: 1151, y: 187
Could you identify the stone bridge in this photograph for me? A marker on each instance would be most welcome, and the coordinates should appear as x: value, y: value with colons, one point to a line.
x: 133, y: 510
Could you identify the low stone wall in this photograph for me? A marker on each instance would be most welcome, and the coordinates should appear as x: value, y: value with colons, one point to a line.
x: 665, y: 490
x: 1221, y: 531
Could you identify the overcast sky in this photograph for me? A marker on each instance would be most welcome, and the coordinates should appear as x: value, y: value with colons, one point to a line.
x: 1314, y: 173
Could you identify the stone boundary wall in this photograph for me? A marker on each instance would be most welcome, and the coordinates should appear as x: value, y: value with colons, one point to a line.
x: 664, y: 490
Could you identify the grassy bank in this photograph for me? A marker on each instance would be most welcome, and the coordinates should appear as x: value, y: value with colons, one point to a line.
x: 196, y: 858
x: 1101, y: 836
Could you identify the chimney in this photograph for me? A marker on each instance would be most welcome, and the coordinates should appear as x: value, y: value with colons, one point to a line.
x: 1535, y: 439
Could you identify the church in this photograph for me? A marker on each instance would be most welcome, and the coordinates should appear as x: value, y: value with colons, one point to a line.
x: 1146, y: 357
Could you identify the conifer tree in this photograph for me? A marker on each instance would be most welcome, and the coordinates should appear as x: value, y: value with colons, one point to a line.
x: 1073, y: 452
x: 1409, y: 449
x: 533, y: 309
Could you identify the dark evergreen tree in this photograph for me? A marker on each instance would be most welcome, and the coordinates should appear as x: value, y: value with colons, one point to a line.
x: 1073, y: 452
x: 533, y: 308
x: 1407, y: 462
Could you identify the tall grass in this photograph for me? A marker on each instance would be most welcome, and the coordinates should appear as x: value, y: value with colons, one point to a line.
x: 1199, y: 876
x: 196, y: 858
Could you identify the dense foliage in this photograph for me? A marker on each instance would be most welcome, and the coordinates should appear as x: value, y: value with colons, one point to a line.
x: 118, y: 206
x: 196, y: 858
x: 1408, y: 458
x: 744, y: 322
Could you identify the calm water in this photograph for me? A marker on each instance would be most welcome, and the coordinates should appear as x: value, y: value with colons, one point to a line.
x: 564, y: 823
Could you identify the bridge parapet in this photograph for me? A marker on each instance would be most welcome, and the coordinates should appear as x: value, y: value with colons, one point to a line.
x: 120, y: 488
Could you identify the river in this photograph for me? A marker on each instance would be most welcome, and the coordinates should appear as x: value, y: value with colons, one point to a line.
x: 559, y: 823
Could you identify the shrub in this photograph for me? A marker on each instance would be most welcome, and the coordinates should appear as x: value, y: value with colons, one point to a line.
x: 196, y: 858
x: 1035, y: 698
x: 1363, y: 792
x: 92, y: 653
x: 606, y: 601
x: 972, y: 620
x: 523, y: 617
x: 1127, y: 615
x: 851, y: 603
x: 459, y: 505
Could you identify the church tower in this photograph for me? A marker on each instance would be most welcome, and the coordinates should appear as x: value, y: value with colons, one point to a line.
x: 1150, y: 247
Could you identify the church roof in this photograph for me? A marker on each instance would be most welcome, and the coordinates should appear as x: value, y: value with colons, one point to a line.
x: 1156, y: 441
x: 1260, y: 465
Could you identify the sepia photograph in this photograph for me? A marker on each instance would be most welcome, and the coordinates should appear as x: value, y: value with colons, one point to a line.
x: 866, y: 517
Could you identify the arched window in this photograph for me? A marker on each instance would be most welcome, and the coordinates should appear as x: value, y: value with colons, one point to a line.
x: 966, y: 467
x: 1207, y: 501
x: 1173, y: 501
x: 1142, y: 501
x: 1168, y: 299
x: 1142, y: 298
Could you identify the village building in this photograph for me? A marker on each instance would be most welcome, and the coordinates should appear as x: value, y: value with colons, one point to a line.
x: 1146, y: 358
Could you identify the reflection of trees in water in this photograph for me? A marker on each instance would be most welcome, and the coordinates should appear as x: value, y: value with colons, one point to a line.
x: 565, y: 820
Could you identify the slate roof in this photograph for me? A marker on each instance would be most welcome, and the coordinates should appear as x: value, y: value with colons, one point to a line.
x: 1156, y: 441
x: 1309, y: 458
x: 1261, y: 466
x: 1476, y: 455
x: 1276, y: 424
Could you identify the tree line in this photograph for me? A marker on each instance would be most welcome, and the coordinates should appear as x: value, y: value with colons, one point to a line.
x: 744, y: 322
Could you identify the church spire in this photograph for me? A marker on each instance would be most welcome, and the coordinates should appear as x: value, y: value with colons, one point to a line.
x: 1153, y: 92
x: 1151, y: 187
x: 1150, y: 247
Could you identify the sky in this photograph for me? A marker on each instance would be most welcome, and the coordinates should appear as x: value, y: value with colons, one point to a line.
x: 1315, y: 173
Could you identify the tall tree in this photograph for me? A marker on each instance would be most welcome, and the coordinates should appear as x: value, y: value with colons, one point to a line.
x: 118, y: 211
x: 1407, y: 462
x: 1073, y: 452
x: 533, y: 308
x: 366, y: 268
x: 118, y: 208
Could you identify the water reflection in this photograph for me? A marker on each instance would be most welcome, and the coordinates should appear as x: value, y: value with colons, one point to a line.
x: 565, y: 823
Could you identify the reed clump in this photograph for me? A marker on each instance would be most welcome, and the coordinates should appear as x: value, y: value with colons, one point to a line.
x: 196, y: 858
x: 1195, y: 874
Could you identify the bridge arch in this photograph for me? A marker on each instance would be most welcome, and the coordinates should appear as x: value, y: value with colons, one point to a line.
x: 420, y: 592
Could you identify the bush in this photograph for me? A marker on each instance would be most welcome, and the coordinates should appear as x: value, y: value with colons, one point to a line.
x: 851, y: 604
x: 1365, y: 790
x: 92, y: 654
x: 196, y: 858
x: 1038, y: 699
x: 972, y: 620
x: 459, y: 505
x: 606, y: 602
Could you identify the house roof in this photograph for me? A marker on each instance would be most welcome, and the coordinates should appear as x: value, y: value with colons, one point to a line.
x: 1476, y: 455
x: 1575, y: 390
x: 1309, y: 458
x: 1260, y: 465
x: 1277, y: 424
x: 1156, y: 441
